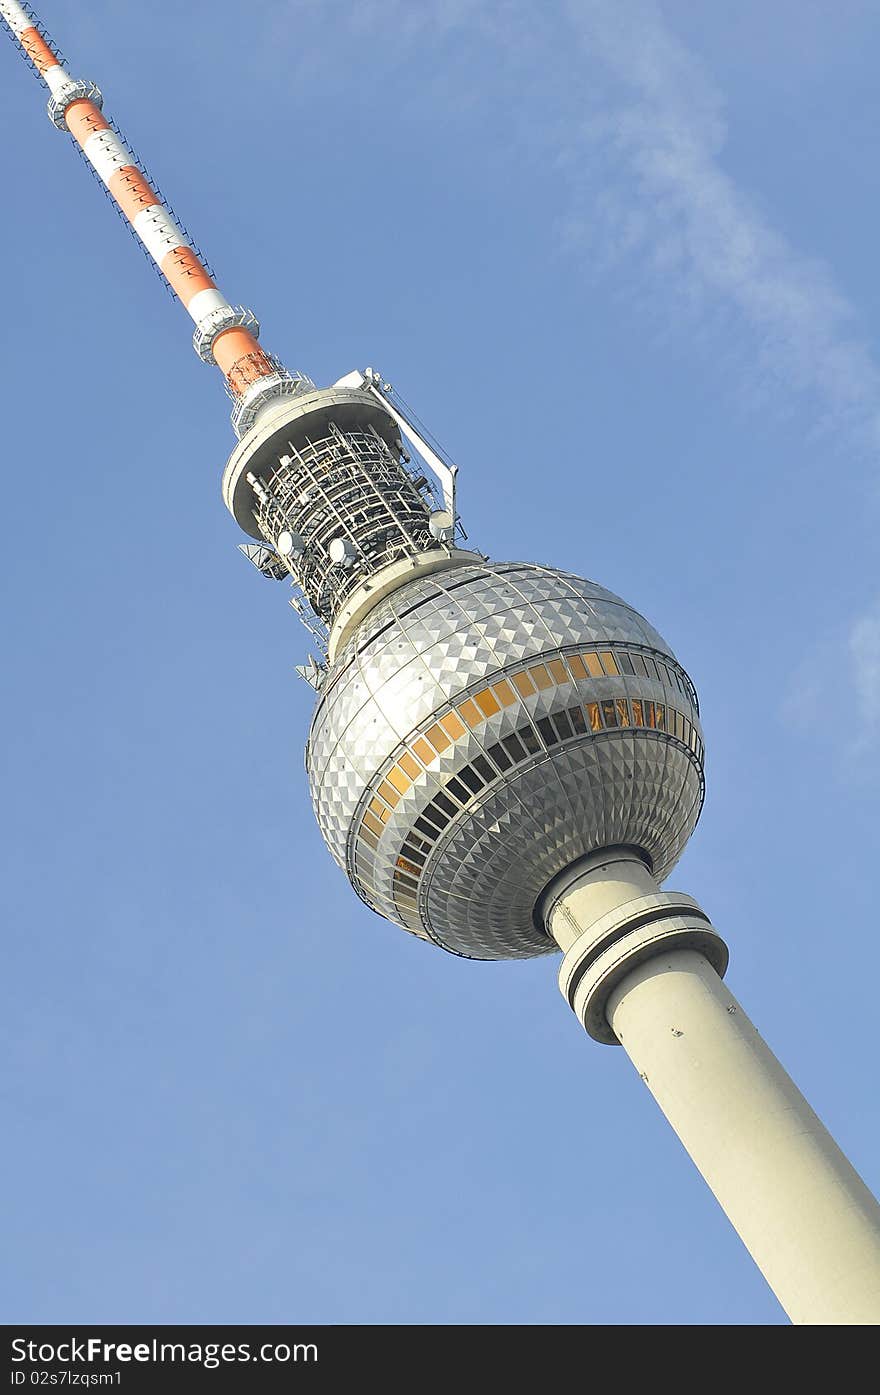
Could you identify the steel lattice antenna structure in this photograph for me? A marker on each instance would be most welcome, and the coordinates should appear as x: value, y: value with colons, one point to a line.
x: 504, y: 759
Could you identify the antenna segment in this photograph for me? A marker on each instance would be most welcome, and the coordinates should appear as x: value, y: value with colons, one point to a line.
x: 225, y: 334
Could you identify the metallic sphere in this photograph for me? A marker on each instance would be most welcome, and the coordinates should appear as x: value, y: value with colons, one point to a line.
x: 484, y: 728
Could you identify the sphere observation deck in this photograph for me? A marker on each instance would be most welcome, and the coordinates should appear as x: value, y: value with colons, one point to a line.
x: 484, y: 728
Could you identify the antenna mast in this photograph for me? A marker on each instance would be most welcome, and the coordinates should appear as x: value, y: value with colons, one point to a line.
x: 225, y: 334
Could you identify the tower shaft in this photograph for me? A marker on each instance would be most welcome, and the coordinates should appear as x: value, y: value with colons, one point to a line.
x: 801, y: 1209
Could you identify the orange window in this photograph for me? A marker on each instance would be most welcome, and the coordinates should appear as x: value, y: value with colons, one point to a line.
x: 410, y: 765
x: 452, y: 726
x: 504, y: 693
x: 487, y: 703
x: 622, y: 713
x: 369, y: 839
x: 595, y: 716
x: 372, y: 823
x: 541, y: 677
x: 409, y: 867
x: 470, y: 713
x: 399, y: 780
x: 558, y: 670
x: 638, y: 714
x: 649, y: 709
x: 379, y: 809
x: 576, y: 664
x: 423, y: 751
x: 595, y: 668
x: 610, y: 662
x: 389, y: 793
x: 523, y: 684
x: 660, y: 713
x: 437, y: 737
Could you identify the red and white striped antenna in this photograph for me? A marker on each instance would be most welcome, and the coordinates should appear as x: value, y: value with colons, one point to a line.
x: 225, y: 334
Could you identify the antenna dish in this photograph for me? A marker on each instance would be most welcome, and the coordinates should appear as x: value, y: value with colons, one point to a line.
x: 290, y: 544
x: 441, y: 525
x: 343, y: 552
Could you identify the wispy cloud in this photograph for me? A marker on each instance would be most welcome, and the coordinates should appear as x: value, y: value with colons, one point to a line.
x: 845, y: 659
x: 700, y: 242
x: 635, y: 127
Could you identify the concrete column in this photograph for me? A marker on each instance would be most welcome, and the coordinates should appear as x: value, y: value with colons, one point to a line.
x: 648, y: 976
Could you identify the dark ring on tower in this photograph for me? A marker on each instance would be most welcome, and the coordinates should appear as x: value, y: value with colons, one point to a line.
x: 657, y: 931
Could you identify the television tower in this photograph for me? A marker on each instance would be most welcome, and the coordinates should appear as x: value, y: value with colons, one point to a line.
x: 504, y: 759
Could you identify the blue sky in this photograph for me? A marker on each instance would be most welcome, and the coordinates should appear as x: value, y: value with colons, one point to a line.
x: 622, y: 260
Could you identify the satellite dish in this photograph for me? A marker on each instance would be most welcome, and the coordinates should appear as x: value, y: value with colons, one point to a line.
x: 441, y: 525
x: 343, y: 552
x: 290, y: 544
